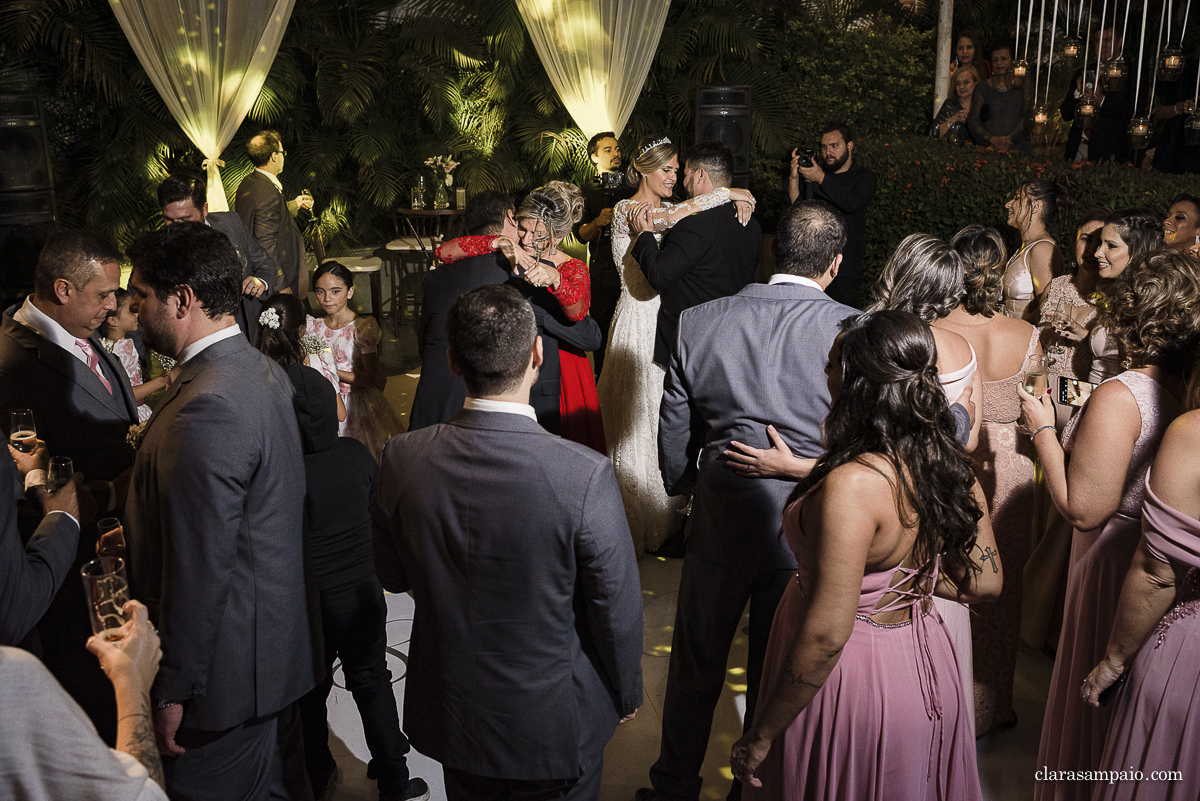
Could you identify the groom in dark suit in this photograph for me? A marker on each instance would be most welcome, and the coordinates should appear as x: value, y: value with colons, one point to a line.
x: 52, y: 361
x: 527, y: 635
x: 705, y: 256
x: 740, y: 362
x: 215, y: 528
x: 185, y: 198
x: 440, y: 392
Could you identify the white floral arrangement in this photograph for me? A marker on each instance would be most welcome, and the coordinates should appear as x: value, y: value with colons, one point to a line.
x: 312, y: 344
x: 444, y: 163
x: 269, y: 318
x: 136, y: 433
x: 166, y: 362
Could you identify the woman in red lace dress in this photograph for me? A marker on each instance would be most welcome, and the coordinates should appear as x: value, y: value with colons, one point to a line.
x: 545, y: 218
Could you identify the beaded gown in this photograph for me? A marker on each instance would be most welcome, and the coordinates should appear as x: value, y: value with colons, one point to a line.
x: 1073, y: 732
x: 1004, y: 465
x: 631, y: 385
x: 892, y: 720
x: 1155, y: 721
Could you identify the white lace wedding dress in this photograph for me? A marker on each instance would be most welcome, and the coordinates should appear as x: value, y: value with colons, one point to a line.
x: 631, y: 384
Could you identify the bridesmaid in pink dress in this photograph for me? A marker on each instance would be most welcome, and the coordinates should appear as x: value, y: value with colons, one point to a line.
x: 1151, y: 312
x: 862, y: 699
x: 1155, y: 642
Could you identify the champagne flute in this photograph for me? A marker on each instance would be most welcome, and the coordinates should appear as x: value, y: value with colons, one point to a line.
x: 60, y: 472
x: 111, y: 538
x: 1035, y: 378
x: 23, y: 433
x: 107, y: 591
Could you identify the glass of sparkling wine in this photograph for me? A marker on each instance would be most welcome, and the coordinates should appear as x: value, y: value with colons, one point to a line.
x: 110, y: 538
x: 60, y: 472
x: 23, y: 433
x: 107, y: 591
x: 1035, y: 379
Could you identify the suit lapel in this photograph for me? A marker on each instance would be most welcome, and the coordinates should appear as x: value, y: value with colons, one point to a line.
x: 77, y: 372
x: 119, y: 380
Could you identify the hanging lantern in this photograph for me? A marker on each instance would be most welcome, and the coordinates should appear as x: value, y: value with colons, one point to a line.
x: 1039, y: 120
x: 1139, y: 133
x: 1071, y: 45
x: 1019, y: 71
x: 1086, y: 109
x: 1171, y: 63
x: 1115, y: 74
x: 1191, y: 129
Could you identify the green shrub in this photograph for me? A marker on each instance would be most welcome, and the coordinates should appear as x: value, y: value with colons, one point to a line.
x: 933, y: 187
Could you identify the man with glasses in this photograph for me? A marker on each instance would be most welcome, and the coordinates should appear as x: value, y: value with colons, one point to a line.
x: 269, y: 216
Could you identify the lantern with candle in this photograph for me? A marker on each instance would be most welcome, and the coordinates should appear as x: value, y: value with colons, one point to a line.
x: 1039, y: 120
x: 1114, y: 73
x: 1170, y: 64
x: 1139, y: 133
x: 1070, y: 47
x: 1019, y: 71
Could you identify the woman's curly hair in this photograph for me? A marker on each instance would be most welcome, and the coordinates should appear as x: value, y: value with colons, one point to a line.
x: 924, y: 276
x: 892, y: 404
x: 984, y: 259
x: 558, y: 204
x: 1153, y: 309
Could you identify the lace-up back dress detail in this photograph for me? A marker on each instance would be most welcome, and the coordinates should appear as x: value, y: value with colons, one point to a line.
x: 1073, y: 733
x: 891, y: 720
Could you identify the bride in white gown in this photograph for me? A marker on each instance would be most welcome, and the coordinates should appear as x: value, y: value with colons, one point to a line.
x: 631, y: 384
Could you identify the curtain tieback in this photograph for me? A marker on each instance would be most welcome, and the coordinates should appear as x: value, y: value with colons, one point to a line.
x: 204, y: 165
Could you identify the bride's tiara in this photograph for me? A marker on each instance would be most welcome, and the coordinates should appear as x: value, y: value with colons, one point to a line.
x: 652, y: 145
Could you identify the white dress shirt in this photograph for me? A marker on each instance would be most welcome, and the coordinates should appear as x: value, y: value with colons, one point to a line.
x: 41, y: 323
x: 505, y: 407
x: 199, y: 345
x: 786, y: 278
x: 274, y: 180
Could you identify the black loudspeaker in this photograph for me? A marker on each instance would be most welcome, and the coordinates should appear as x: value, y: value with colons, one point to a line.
x: 723, y: 115
x: 27, y: 211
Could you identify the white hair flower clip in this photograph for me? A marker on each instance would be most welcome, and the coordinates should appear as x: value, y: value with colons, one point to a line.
x: 269, y: 318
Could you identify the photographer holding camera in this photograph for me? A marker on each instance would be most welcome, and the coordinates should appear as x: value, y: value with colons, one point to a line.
x: 599, y: 197
x: 835, y: 178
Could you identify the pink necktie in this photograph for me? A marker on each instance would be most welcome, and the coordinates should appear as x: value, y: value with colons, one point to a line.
x: 93, y: 361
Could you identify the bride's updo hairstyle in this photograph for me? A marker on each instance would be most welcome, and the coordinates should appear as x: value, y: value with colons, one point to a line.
x: 924, y: 276
x: 892, y: 404
x: 652, y: 153
x: 558, y: 204
x: 280, y: 321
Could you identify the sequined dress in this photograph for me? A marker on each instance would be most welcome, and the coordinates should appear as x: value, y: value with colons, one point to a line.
x: 1004, y: 465
x: 631, y: 388
x: 891, y: 721
x: 1073, y: 732
x: 1155, y: 720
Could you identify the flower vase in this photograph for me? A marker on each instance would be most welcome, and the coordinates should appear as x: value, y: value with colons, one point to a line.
x: 441, y: 199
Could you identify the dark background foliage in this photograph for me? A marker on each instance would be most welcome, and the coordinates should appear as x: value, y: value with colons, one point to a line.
x: 363, y: 91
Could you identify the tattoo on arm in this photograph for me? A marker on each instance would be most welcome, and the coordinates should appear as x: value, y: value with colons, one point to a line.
x: 989, y: 555
x: 144, y: 749
x: 795, y: 678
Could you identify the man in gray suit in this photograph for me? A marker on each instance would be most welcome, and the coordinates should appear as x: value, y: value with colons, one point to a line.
x: 52, y: 361
x: 268, y: 215
x: 717, y: 390
x: 215, y: 517
x: 185, y: 198
x: 527, y: 636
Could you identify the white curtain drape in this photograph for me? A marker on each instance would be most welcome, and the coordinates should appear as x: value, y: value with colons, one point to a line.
x: 208, y: 60
x: 597, y: 54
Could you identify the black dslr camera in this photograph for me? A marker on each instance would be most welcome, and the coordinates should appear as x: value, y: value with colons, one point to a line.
x: 610, y: 181
x: 806, y: 157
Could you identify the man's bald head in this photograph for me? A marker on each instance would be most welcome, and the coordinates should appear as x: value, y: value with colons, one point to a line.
x: 262, y: 146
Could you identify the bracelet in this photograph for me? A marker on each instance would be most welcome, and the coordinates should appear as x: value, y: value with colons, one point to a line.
x: 1040, y: 429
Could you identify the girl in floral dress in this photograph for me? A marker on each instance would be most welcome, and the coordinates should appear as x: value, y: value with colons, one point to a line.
x: 119, y: 324
x: 354, y: 342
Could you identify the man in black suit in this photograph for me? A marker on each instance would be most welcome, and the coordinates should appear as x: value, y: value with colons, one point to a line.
x: 1107, y: 137
x: 527, y: 632
x: 52, y: 361
x: 185, y: 198
x: 440, y: 392
x: 705, y: 256
x: 215, y: 532
x: 267, y: 215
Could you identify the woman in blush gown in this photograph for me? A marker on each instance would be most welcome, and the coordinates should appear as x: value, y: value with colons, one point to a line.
x: 924, y: 276
x: 631, y: 384
x: 1155, y: 643
x: 1003, y: 462
x: 1034, y: 210
x: 861, y: 699
x: 1151, y: 312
